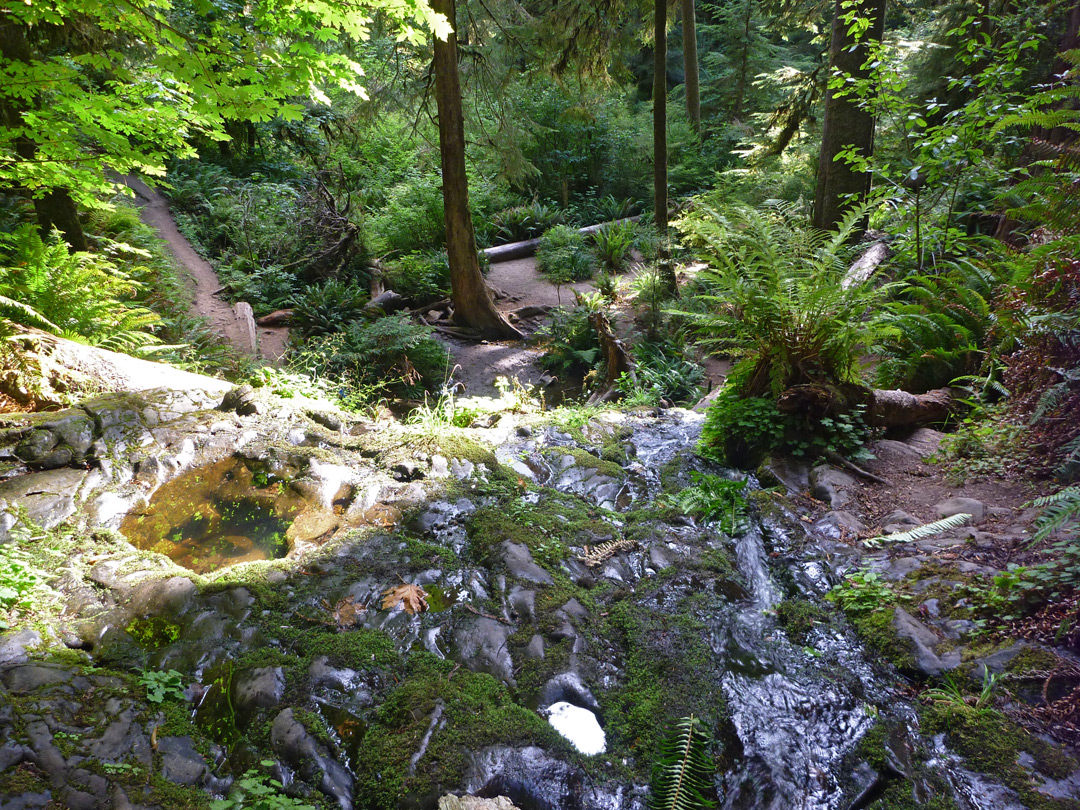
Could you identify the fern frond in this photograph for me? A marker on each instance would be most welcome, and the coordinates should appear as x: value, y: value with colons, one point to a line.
x: 25, y: 314
x: 1070, y: 467
x: 683, y: 773
x: 1059, y: 509
x: 919, y: 532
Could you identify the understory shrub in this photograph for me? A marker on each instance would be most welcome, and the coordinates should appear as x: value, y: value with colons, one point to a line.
x: 780, y: 298
x: 325, y: 308
x: 523, y: 222
x: 572, y: 347
x: 614, y: 244
x: 422, y: 277
x: 741, y: 431
x: 663, y: 372
x: 390, y: 356
x: 563, y: 255
x: 87, y: 296
x: 943, y: 326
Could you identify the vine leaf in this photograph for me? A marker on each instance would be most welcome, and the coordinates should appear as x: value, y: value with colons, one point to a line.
x: 413, y: 598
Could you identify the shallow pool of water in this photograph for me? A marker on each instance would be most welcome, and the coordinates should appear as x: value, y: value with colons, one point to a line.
x: 216, y: 516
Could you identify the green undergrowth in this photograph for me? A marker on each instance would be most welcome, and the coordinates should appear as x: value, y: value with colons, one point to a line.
x: 799, y: 617
x: 668, y: 672
x: 869, y: 603
x: 899, y: 792
x: 477, y: 711
x: 991, y: 744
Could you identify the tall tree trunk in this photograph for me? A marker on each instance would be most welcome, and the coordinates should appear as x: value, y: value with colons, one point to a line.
x: 690, y: 64
x: 660, y: 197
x: 473, y: 305
x: 845, y: 124
x: 744, y: 63
x: 55, y: 207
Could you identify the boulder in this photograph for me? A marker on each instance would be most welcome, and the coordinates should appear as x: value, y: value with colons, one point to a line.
x: 924, y: 643
x: 957, y: 506
x: 831, y: 485
x: 520, y: 564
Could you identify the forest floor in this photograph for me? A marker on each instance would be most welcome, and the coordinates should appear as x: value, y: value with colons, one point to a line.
x: 203, y: 282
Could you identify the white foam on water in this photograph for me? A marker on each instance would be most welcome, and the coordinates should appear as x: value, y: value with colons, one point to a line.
x: 578, y: 725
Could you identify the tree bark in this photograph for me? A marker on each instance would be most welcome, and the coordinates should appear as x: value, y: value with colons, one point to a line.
x: 744, y: 63
x: 473, y: 305
x: 55, y: 207
x: 845, y: 122
x: 690, y: 64
x: 660, y: 196
x: 616, y: 357
x: 884, y: 408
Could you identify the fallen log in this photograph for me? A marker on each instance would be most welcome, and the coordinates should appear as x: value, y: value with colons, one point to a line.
x: 522, y: 250
x: 884, y: 408
x: 900, y: 408
x: 279, y: 317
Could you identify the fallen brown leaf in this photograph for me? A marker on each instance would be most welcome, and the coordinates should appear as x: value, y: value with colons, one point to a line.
x: 413, y: 598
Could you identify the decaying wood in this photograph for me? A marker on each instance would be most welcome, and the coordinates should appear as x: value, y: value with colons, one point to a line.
x: 616, y: 356
x: 899, y: 408
x: 279, y: 317
x: 884, y: 408
x: 836, y: 458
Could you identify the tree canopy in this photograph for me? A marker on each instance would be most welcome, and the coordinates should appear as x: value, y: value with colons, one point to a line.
x: 93, y: 87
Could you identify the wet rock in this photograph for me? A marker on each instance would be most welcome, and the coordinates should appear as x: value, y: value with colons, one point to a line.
x: 997, y: 661
x: 180, y: 762
x: 839, y: 523
x: 241, y: 400
x: 924, y: 643
x: 480, y: 644
x: 330, y: 421
x: 575, y: 610
x: 534, y: 650
x: 25, y: 678
x: 523, y: 602
x: 14, y: 647
x: 900, y: 567
x: 75, y: 429
x: 898, y: 521
x: 160, y: 596
x: 897, y: 455
x: 407, y: 471
x: 259, y: 688
x: 78, y: 799
x: 792, y: 473
x: 292, y: 742
x: 122, y: 738
x: 956, y: 506
x: 925, y: 440
x: 569, y: 687
x: 529, y: 776
x: 520, y: 564
x: 48, y: 497
x: 452, y: 802
x: 830, y: 485
x: 35, y: 446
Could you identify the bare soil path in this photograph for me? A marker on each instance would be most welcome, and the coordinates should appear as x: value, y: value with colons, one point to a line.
x: 204, y: 283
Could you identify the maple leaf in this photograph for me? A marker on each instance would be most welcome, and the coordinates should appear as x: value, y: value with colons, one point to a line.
x: 413, y: 598
x: 346, y: 612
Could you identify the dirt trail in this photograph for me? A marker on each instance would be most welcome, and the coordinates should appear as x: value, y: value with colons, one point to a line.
x: 154, y: 211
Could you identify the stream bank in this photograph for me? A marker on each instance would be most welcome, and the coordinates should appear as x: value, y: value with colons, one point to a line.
x: 556, y: 567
